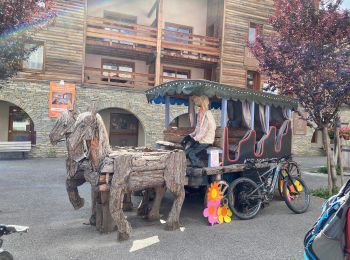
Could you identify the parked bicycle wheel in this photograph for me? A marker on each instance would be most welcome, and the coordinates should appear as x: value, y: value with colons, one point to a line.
x: 244, y: 198
x: 296, y: 194
x: 293, y: 169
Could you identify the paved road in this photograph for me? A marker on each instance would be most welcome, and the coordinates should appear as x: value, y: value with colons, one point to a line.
x: 33, y: 194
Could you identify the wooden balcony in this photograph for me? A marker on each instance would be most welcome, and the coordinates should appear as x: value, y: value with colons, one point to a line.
x: 190, y: 46
x: 118, y: 78
x: 110, y: 37
x: 135, y: 41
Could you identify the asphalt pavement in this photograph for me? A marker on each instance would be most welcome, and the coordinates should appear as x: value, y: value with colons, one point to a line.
x: 33, y: 193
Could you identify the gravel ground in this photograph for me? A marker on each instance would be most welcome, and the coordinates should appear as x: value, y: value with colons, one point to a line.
x: 33, y: 193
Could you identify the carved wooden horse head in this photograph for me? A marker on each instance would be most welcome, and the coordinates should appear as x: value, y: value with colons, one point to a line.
x: 89, y: 127
x: 63, y: 126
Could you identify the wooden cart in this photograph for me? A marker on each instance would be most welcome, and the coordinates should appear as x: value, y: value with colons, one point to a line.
x: 252, y: 125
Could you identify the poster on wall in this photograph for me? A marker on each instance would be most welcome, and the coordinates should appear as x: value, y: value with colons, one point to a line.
x: 299, y: 125
x: 62, y: 97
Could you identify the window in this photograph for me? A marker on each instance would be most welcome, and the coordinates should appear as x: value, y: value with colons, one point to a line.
x: 180, y: 31
x: 253, y: 80
x: 125, y: 18
x: 35, y: 60
x: 253, y: 29
x: 122, y: 28
x: 175, y: 73
x: 21, y: 127
x: 113, y: 68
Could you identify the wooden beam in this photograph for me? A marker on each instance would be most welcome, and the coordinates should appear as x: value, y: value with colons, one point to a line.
x: 159, y: 41
x: 155, y: 5
x: 167, y: 112
x: 222, y: 38
x: 267, y: 117
x: 252, y: 112
x: 223, y: 113
x: 84, y: 42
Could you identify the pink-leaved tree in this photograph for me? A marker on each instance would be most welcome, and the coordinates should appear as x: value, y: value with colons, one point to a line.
x: 308, y: 56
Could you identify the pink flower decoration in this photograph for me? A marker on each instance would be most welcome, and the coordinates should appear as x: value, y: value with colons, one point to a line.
x: 211, y: 212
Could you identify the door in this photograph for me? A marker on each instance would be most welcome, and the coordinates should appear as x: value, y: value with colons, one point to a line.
x: 123, y: 129
x: 21, y: 127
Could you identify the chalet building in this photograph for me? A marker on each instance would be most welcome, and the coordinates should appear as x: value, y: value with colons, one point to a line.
x: 113, y: 50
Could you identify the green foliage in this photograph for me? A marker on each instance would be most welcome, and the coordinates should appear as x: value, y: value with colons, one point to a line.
x: 324, y: 170
x: 323, y: 192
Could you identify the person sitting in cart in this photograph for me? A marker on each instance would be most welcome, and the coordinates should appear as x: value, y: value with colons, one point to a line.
x: 204, y: 133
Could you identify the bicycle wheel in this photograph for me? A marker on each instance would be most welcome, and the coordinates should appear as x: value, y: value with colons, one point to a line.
x: 244, y: 198
x: 296, y: 195
x: 293, y: 169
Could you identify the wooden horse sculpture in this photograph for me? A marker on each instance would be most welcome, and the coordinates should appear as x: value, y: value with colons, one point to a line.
x: 133, y: 170
x: 77, y: 164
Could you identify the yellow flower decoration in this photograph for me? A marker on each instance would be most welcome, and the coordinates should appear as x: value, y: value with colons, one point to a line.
x: 214, y: 192
x: 224, y: 214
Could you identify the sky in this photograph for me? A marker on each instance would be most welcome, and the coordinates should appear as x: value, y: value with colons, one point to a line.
x: 346, y: 4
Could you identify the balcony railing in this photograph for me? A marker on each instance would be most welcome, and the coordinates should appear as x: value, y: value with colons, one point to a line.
x: 190, y: 45
x: 118, y: 78
x: 102, y: 31
x: 122, y: 35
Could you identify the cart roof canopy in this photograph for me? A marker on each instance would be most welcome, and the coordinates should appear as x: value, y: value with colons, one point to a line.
x: 179, y: 90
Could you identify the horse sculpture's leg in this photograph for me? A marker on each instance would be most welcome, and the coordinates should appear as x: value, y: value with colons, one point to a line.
x: 174, y: 176
x: 94, y: 195
x: 173, y: 221
x: 154, y: 212
x: 72, y: 190
x: 116, y: 208
x: 117, y: 192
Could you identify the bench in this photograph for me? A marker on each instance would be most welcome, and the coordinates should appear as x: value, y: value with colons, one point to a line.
x: 15, y: 147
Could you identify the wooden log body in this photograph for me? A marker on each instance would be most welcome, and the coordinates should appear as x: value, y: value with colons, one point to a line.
x: 139, y: 170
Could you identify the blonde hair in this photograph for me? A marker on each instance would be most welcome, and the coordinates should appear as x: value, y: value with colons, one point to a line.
x: 201, y: 101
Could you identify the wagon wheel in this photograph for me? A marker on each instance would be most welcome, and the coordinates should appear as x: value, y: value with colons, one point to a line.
x: 223, y: 185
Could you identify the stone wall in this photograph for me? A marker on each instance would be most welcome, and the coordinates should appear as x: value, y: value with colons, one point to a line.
x: 32, y: 97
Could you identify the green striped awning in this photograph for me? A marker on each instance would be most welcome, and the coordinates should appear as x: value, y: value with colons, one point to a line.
x: 178, y: 88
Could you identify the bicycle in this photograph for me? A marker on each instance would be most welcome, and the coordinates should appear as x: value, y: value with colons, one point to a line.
x: 245, y: 197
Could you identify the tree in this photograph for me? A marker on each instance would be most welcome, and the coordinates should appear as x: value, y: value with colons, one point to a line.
x: 19, y: 21
x: 308, y: 56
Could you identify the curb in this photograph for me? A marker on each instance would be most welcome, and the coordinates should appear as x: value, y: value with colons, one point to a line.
x: 347, y: 174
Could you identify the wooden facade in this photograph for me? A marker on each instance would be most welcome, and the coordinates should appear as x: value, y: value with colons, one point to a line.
x: 63, y: 45
x: 218, y: 54
x: 236, y: 59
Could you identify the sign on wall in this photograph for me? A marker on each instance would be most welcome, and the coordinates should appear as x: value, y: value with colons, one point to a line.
x: 299, y: 125
x: 62, y: 97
